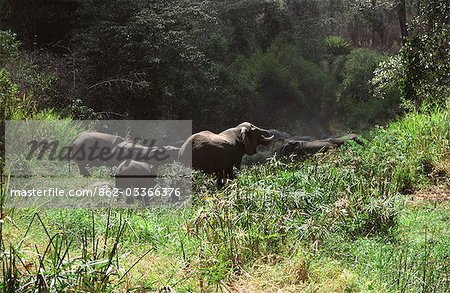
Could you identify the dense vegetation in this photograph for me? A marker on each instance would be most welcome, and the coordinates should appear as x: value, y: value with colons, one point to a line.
x: 340, y: 221
x: 306, y: 62
x: 296, y: 224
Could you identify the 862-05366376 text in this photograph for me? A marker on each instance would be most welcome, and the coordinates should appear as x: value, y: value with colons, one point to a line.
x: 97, y: 191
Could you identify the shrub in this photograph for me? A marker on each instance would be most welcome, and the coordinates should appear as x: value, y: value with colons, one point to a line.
x: 337, y: 45
x: 426, y: 55
x: 355, y: 95
x: 358, y: 71
x: 9, y: 46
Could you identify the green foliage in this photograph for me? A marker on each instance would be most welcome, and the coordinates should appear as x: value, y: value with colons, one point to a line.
x: 282, y: 82
x: 370, y: 23
x: 32, y: 84
x: 9, y: 46
x: 78, y: 110
x: 386, y: 81
x: 8, y: 93
x: 358, y: 71
x: 361, y: 71
x: 413, y: 260
x: 426, y: 55
x: 253, y: 25
x: 337, y: 45
x: 146, y: 58
x: 167, y: 60
x: 96, y: 269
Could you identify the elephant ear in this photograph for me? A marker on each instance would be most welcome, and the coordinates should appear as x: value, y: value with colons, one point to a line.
x: 249, y: 144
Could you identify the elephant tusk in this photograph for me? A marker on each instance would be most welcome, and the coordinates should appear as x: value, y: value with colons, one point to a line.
x: 267, y: 138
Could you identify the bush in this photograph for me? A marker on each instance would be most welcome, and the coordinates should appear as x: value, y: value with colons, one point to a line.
x: 38, y: 85
x: 358, y: 71
x: 9, y: 46
x: 337, y: 45
x: 355, y: 96
x: 426, y: 55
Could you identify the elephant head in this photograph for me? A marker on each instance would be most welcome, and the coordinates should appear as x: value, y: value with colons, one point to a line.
x: 253, y: 136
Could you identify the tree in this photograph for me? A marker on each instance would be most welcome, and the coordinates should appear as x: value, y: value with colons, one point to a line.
x: 145, y: 60
x: 426, y: 54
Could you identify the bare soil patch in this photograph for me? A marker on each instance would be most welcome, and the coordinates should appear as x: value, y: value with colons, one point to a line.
x: 437, y: 193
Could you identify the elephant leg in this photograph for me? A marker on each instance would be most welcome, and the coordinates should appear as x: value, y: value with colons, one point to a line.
x: 82, y: 166
x: 229, y: 173
x: 220, y: 179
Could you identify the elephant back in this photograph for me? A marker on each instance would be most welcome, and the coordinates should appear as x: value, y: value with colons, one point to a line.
x: 92, y: 141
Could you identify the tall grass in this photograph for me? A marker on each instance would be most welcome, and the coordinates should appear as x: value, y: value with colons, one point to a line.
x: 90, y: 262
x: 414, y: 260
x: 350, y: 197
x: 356, y: 192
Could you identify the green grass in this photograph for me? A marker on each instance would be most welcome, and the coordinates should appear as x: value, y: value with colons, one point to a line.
x: 336, y: 222
x: 416, y: 259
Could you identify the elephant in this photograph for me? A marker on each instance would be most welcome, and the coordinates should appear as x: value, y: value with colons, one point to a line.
x: 302, y: 149
x: 156, y: 155
x: 277, y: 134
x: 132, y: 175
x: 339, y: 141
x: 171, y: 152
x: 92, y: 148
x: 278, y: 144
x: 218, y: 153
x: 302, y: 138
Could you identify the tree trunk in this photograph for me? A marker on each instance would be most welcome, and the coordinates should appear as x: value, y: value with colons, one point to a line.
x: 401, y: 14
x: 409, y: 90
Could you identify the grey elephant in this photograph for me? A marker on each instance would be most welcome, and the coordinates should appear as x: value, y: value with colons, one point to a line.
x: 302, y: 149
x: 339, y: 141
x: 171, y: 152
x: 155, y: 155
x: 278, y: 144
x: 277, y: 134
x: 133, y: 176
x: 218, y: 153
x: 92, y: 148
